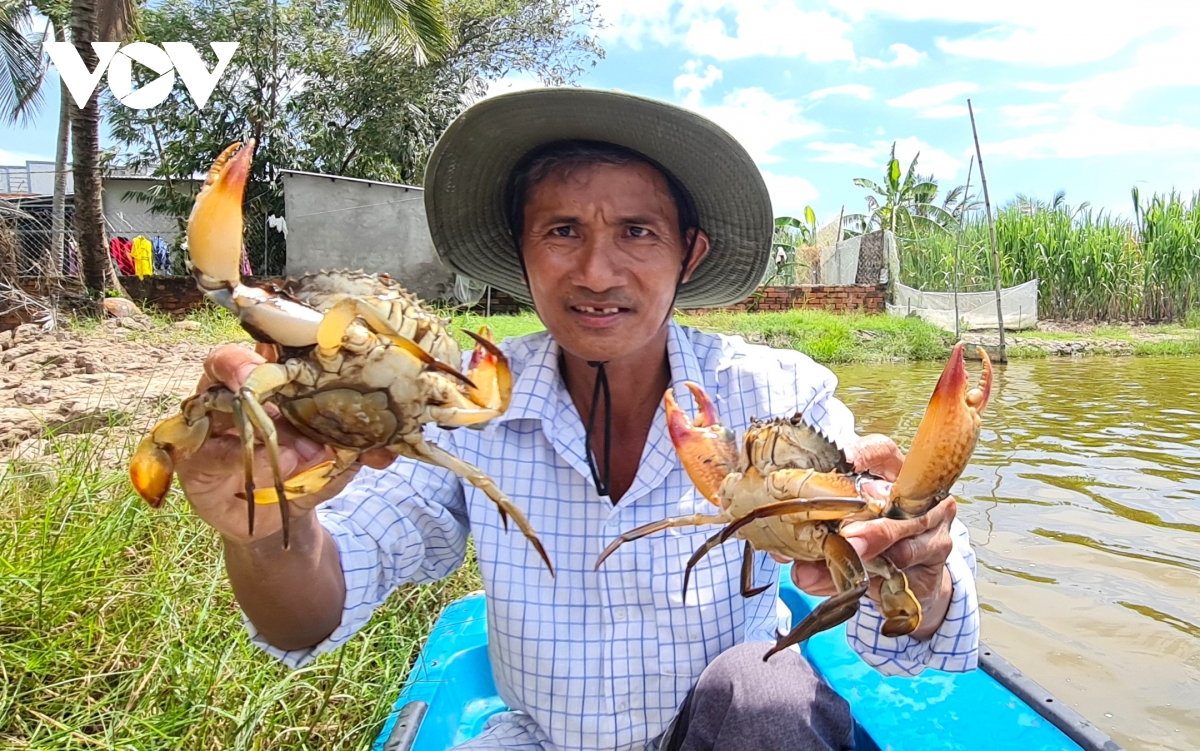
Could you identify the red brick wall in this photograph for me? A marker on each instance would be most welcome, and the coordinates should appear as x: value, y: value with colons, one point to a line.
x: 834, y: 298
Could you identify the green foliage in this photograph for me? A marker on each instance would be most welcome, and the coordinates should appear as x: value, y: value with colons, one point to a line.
x: 833, y: 337
x: 21, y: 65
x: 791, y: 265
x: 316, y: 96
x: 1089, y: 265
x: 905, y: 207
x: 120, y: 630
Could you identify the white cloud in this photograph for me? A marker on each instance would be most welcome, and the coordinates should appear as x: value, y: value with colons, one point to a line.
x: 1036, y: 31
x: 1088, y: 135
x: 758, y: 120
x: 931, y: 160
x: 690, y: 83
x: 789, y: 194
x: 933, y: 95
x: 945, y: 111
x: 850, y: 89
x: 845, y: 153
x: 728, y: 29
x: 1026, y: 115
x: 771, y: 28
x: 905, y: 55
x: 1161, y: 65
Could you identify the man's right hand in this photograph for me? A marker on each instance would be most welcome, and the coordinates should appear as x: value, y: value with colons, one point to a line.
x: 214, y: 475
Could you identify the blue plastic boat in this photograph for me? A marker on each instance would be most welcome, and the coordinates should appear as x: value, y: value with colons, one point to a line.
x: 450, y: 693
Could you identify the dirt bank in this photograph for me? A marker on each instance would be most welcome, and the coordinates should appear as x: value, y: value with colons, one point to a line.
x: 99, y: 384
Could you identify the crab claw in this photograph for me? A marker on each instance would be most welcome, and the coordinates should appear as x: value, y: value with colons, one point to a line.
x: 945, y: 439
x: 214, y: 231
x: 153, y: 466
x: 707, y: 449
x: 489, y: 373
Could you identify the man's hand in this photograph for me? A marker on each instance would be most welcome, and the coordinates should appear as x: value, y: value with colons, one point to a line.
x: 918, y: 546
x: 212, y: 476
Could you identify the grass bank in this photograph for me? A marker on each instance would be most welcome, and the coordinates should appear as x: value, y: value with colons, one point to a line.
x: 826, y: 337
x: 119, y: 631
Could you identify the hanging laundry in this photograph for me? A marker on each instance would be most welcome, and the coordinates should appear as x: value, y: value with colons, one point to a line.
x: 162, y: 256
x: 143, y: 256
x: 119, y: 249
x: 72, y: 255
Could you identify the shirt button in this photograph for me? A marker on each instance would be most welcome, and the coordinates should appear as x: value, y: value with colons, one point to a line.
x: 619, y: 614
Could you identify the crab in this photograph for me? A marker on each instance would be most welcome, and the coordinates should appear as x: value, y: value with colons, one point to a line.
x: 790, y: 488
x: 358, y: 364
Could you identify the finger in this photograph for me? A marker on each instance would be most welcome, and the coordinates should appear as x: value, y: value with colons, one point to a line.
x: 872, y: 538
x: 930, y: 548
x: 878, y: 454
x: 813, y: 578
x: 231, y: 365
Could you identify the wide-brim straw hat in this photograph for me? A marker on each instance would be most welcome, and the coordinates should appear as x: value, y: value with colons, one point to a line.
x: 468, y: 175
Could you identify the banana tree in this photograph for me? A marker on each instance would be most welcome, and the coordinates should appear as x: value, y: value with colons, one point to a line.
x: 904, y: 204
x: 791, y: 234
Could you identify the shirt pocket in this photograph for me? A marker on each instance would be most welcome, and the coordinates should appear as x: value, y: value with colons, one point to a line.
x: 691, y: 634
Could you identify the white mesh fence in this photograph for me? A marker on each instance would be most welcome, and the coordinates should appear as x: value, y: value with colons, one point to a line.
x: 976, y: 310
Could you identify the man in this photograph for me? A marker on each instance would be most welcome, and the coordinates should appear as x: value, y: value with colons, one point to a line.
x: 607, y: 211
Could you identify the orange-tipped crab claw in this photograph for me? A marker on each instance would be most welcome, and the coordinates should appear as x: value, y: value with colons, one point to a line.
x: 707, y: 449
x: 214, y: 231
x: 489, y: 373
x: 945, y: 439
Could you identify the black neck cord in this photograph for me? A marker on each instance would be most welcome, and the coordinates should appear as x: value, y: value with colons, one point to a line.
x: 602, y: 481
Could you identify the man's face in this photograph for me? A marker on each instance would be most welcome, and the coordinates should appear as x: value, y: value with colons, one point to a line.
x: 603, y: 252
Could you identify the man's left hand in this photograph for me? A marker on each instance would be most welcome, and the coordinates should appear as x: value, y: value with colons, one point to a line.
x: 918, y: 546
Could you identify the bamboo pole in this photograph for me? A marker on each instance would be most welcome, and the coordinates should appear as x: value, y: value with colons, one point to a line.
x: 987, y: 202
x: 962, y: 222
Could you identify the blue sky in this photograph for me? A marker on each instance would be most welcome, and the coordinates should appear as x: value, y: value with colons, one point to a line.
x: 1087, y: 97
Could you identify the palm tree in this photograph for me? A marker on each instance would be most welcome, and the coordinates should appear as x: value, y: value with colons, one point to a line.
x: 906, y: 205
x: 20, y: 61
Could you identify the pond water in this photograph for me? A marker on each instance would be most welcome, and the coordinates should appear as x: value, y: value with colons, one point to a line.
x: 1083, y: 501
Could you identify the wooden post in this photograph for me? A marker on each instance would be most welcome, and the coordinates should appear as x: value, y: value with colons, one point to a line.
x: 987, y: 202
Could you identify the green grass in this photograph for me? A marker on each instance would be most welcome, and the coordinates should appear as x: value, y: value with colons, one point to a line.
x: 119, y: 631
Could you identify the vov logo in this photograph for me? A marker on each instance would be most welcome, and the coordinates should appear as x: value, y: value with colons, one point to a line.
x: 171, y: 58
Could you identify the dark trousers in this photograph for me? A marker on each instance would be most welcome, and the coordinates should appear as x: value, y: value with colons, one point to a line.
x: 740, y: 702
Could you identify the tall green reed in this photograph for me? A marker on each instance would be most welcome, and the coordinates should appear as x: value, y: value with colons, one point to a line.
x: 1089, y: 264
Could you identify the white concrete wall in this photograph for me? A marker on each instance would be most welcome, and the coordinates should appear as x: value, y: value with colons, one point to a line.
x: 338, y: 222
x: 127, y: 217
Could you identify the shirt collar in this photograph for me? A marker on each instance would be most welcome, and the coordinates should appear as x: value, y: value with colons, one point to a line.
x: 539, y: 393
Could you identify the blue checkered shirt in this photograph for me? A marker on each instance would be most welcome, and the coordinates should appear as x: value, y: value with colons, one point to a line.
x: 603, y: 659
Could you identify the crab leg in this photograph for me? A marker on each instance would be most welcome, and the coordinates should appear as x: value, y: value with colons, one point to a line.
x: 695, y: 520
x: 901, y: 608
x: 424, y: 451
x: 246, y: 431
x: 748, y: 588
x: 807, y: 509
x: 262, y: 422
x: 850, y: 579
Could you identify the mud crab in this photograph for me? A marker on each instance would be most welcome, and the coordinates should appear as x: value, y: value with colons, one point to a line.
x: 789, y: 489
x: 359, y: 364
